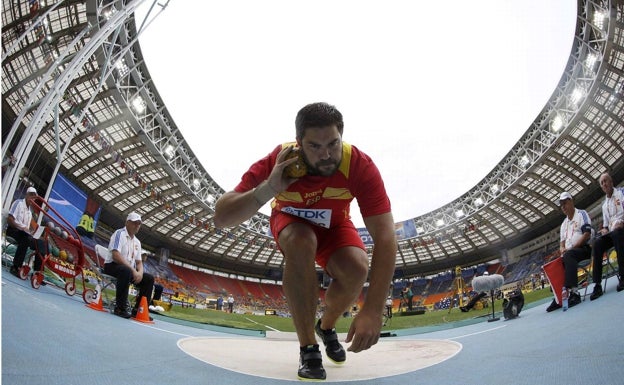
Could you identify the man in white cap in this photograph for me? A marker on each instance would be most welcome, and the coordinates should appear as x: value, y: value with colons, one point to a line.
x: 611, y: 234
x: 575, y: 234
x: 124, y: 262
x: 19, y: 228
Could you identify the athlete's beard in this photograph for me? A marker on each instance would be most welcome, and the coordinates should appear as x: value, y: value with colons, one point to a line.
x: 321, y: 167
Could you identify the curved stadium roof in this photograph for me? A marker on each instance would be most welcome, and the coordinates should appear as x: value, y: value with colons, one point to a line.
x: 78, y: 98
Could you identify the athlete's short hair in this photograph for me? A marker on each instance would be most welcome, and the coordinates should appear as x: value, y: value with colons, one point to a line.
x: 317, y: 115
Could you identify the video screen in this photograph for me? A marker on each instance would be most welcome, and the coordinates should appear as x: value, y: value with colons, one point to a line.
x: 75, y: 206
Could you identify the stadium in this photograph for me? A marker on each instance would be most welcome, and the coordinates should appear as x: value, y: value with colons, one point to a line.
x: 83, y: 122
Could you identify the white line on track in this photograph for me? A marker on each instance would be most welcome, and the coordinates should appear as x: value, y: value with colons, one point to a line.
x: 258, y: 323
x: 481, y: 332
x: 162, y: 330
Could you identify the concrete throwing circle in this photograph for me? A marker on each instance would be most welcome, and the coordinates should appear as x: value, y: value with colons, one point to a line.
x: 279, y: 359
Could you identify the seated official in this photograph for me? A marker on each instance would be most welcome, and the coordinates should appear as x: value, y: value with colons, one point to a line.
x: 575, y: 233
x: 19, y: 228
x: 124, y: 262
x: 611, y: 234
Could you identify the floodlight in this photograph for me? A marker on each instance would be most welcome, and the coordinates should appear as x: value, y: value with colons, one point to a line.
x: 590, y: 61
x: 138, y: 104
x: 169, y: 151
x: 556, y: 123
x: 121, y: 67
x: 577, y: 95
x: 109, y: 13
x: 599, y: 19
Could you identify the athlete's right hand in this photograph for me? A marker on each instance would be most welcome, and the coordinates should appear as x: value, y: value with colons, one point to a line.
x: 278, y: 180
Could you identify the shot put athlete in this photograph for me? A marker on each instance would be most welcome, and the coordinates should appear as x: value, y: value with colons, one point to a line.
x: 311, y: 223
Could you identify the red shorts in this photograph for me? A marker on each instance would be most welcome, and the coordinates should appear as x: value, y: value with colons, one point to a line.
x: 329, y: 240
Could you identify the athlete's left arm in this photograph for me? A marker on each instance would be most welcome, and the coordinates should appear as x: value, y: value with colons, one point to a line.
x: 367, y: 324
x: 381, y: 229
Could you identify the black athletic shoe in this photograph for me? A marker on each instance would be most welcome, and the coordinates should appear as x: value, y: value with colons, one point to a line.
x: 123, y: 313
x: 464, y: 309
x: 596, y: 293
x: 311, y: 364
x: 333, y: 348
x: 620, y: 285
x: 553, y: 306
x: 575, y: 299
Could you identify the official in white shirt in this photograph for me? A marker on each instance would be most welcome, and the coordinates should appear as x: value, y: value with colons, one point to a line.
x: 611, y: 234
x: 125, y: 263
x: 19, y: 228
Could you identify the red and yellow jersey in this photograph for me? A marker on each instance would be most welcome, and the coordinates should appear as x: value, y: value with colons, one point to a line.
x: 325, y: 200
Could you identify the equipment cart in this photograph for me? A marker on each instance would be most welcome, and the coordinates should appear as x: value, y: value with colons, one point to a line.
x: 58, y: 246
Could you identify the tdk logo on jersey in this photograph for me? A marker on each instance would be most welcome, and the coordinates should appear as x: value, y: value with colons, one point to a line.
x: 319, y: 217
